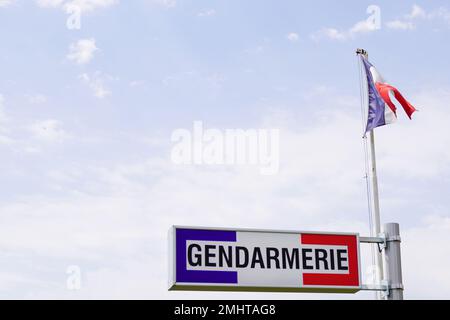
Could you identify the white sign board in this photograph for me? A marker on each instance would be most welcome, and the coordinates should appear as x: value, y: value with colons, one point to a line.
x: 254, y: 260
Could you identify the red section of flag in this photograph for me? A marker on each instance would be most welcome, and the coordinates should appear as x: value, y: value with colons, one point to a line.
x: 347, y: 280
x: 384, y: 90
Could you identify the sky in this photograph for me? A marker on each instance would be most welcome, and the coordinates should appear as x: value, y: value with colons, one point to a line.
x: 88, y: 107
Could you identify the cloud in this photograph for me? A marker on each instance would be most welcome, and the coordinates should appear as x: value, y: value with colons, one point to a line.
x: 365, y: 26
x: 427, y: 155
x: 37, y: 99
x: 400, y: 25
x: 136, y: 83
x: 4, y: 139
x: 329, y: 33
x: 293, y: 37
x: 4, y: 123
x: 169, y: 4
x: 361, y: 27
x: 96, y: 83
x: 409, y: 21
x: 406, y: 23
x: 5, y: 126
x: 26, y: 136
x: 89, y: 5
x: 48, y: 131
x: 82, y: 52
x: 2, y: 101
x: 426, y: 248
x: 416, y: 12
x: 6, y: 3
x: 207, y: 13
x: 83, y: 5
x: 100, y: 216
x: 49, y: 3
x: 441, y: 14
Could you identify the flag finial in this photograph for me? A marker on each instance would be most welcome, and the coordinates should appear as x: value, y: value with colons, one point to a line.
x: 362, y: 52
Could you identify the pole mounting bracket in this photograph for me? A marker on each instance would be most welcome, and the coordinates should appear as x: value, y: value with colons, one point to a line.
x: 382, y: 245
x: 394, y: 239
x: 385, y: 294
x: 384, y: 288
x: 397, y: 286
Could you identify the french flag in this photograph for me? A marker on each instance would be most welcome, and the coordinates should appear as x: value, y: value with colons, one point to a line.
x: 382, y: 110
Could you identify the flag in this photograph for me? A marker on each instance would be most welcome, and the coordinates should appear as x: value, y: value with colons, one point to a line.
x: 382, y: 110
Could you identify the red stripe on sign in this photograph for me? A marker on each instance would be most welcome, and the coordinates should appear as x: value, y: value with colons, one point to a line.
x: 346, y: 280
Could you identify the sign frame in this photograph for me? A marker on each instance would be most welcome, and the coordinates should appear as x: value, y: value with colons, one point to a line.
x: 177, y: 286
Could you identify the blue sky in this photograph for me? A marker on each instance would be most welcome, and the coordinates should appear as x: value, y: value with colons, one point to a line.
x: 86, y: 118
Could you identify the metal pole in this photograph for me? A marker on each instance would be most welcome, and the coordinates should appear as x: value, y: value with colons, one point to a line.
x: 393, y: 261
x: 376, y: 221
x: 376, y: 205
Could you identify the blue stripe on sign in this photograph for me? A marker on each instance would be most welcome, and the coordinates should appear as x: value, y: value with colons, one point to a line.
x: 188, y: 276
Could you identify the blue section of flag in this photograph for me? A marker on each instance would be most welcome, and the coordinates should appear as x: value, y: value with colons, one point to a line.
x: 377, y: 106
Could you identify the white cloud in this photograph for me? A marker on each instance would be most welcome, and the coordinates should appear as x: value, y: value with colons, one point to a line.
x: 5, y: 139
x: 136, y: 83
x: 329, y: 33
x: 400, y: 25
x: 442, y: 13
x: 416, y: 12
x: 427, y: 248
x: 48, y: 131
x: 3, y: 121
x: 37, y: 99
x: 83, y: 5
x: 166, y: 3
x: 96, y: 83
x: 409, y: 21
x: 82, y: 52
x: 406, y: 23
x: 361, y: 27
x: 49, y: 3
x: 427, y: 155
x: 90, y: 5
x: 207, y: 13
x: 6, y: 3
x: 293, y: 37
x: 2, y: 101
x: 101, y: 218
x: 28, y: 138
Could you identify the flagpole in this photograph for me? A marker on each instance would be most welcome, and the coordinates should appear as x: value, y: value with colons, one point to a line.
x: 376, y: 207
x: 376, y: 220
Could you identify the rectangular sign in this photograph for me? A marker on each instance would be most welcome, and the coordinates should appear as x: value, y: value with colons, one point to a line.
x: 205, y: 259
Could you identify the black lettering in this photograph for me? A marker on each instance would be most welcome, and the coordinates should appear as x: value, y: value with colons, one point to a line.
x: 209, y: 255
x: 227, y: 256
x: 272, y: 255
x: 332, y: 264
x: 198, y: 256
x: 239, y: 263
x: 306, y: 259
x: 257, y: 258
x: 321, y: 256
x: 341, y: 259
x: 290, y: 261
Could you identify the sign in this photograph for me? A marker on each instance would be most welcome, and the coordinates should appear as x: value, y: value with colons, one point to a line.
x: 206, y: 259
